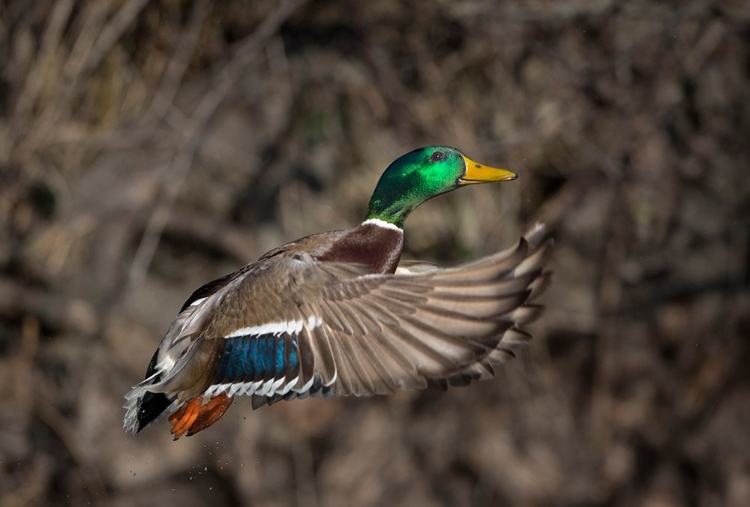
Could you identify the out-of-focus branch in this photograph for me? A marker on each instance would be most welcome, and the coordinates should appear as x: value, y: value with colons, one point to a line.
x: 86, y: 55
x: 211, y: 234
x: 112, y: 32
x: 53, y: 310
x: 35, y: 79
x: 172, y: 78
x: 245, y: 54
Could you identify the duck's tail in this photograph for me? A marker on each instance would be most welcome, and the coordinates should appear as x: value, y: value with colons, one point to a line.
x: 144, y: 407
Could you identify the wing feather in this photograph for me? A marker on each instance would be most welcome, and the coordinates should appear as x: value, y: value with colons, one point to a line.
x: 360, y: 333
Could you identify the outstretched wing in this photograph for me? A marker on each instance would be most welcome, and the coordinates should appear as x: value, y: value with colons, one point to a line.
x: 298, y: 327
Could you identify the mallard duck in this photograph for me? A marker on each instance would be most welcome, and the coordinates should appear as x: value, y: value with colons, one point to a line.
x: 335, y: 314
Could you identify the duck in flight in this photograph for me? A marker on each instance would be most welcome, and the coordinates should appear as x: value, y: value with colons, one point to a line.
x: 335, y: 314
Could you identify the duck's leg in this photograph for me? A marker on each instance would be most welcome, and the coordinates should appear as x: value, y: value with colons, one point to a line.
x: 185, y: 417
x: 210, y: 413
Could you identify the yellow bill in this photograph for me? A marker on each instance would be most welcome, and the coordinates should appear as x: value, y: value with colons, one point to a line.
x: 478, y: 173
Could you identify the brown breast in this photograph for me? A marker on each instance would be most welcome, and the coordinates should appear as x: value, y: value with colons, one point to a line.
x: 368, y: 244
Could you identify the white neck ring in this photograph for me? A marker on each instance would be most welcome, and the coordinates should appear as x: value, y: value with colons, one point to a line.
x: 382, y: 223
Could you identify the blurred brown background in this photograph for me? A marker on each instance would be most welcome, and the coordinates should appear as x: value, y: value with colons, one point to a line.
x: 149, y: 146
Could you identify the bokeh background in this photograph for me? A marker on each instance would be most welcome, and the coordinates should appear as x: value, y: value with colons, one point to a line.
x: 148, y: 146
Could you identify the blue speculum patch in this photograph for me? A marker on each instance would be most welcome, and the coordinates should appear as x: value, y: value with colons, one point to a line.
x: 254, y: 358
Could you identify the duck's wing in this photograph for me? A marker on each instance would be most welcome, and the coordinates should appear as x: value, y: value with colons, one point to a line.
x: 412, y: 267
x: 293, y: 327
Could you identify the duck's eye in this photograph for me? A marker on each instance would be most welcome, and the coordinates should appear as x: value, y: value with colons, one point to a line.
x: 437, y: 156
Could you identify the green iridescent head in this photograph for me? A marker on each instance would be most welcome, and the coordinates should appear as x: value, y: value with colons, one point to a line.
x: 423, y: 174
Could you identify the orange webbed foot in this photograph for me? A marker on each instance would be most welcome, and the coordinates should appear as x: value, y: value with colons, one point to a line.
x: 194, y: 417
x: 210, y: 413
x: 185, y: 417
